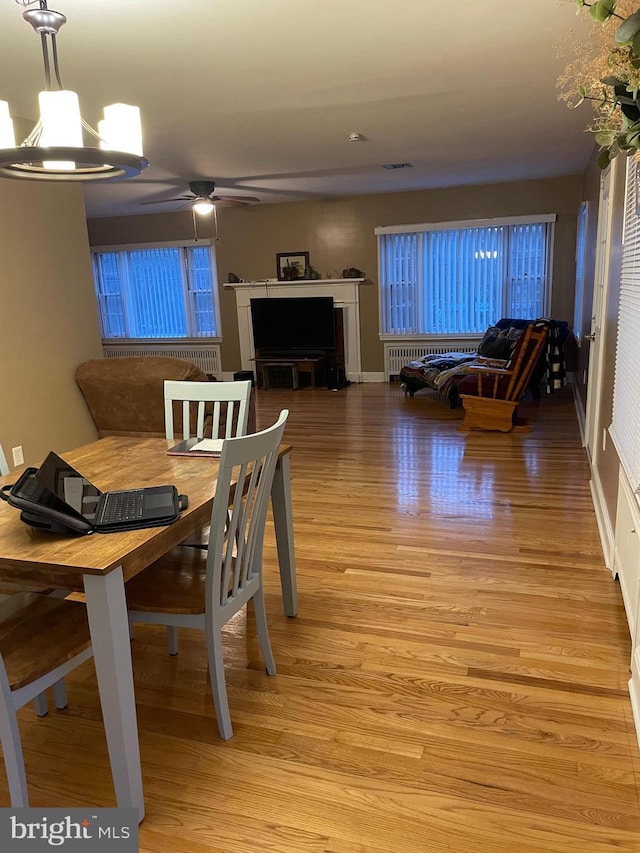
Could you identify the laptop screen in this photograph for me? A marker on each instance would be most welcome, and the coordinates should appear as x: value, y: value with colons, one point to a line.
x: 69, y: 486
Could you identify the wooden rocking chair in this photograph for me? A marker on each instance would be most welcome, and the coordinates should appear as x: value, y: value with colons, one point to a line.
x: 490, y: 395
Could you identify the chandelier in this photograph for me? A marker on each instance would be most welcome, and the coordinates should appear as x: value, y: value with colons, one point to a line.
x: 55, y: 149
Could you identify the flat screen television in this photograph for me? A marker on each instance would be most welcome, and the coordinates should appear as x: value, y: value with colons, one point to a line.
x: 289, y: 324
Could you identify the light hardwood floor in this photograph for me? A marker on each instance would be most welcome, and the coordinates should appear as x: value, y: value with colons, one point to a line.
x: 455, y: 679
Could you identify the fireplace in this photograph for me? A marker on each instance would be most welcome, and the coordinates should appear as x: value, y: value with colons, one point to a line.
x: 345, y: 294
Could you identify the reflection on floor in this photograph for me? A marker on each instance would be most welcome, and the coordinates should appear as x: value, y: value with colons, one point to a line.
x: 455, y: 679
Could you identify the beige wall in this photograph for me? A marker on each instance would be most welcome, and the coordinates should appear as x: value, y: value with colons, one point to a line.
x: 339, y: 233
x: 48, y: 321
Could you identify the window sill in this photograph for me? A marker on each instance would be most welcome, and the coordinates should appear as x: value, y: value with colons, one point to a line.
x: 146, y: 342
x: 447, y: 336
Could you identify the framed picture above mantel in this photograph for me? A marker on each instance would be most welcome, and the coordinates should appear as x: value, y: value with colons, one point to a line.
x: 291, y: 266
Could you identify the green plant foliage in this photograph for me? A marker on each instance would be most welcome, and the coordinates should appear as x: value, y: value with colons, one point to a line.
x: 602, y: 10
x: 628, y: 29
x: 614, y: 88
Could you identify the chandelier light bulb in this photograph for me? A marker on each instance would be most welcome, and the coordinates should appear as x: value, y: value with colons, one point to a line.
x: 121, y: 129
x: 61, y: 125
x: 7, y: 136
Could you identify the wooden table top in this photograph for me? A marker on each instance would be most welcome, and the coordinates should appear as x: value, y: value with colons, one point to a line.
x: 33, y: 556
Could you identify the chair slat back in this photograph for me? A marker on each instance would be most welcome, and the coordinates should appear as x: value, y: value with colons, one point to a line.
x: 210, y: 399
x: 536, y: 336
x: 239, y: 514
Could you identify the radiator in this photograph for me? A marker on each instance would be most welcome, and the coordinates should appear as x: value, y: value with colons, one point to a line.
x: 397, y: 355
x: 206, y: 356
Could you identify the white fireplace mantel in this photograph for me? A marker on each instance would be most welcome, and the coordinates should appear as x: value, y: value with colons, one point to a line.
x: 345, y: 293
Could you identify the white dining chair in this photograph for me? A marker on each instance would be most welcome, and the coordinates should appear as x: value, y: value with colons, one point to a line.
x: 193, y: 589
x: 59, y: 693
x: 218, y: 410
x: 41, y: 640
x: 221, y: 408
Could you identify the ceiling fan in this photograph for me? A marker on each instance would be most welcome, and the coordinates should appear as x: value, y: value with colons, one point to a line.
x: 202, y: 200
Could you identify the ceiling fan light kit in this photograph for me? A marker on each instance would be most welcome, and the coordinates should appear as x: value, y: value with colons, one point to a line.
x: 203, y: 207
x: 55, y: 149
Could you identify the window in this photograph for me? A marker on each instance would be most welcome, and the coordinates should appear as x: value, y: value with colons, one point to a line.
x: 625, y: 427
x: 460, y: 277
x: 581, y: 248
x: 156, y: 292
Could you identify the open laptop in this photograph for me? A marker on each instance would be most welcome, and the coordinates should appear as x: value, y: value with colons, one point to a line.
x: 56, y: 496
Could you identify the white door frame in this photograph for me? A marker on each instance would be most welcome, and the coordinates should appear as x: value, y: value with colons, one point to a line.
x: 611, y: 183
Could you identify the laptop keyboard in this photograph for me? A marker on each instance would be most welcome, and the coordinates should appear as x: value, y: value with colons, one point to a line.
x: 122, y: 506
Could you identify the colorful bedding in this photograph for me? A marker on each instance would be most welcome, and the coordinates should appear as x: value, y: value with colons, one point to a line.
x: 440, y: 372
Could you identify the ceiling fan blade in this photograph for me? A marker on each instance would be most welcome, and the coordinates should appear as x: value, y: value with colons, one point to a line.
x: 228, y: 202
x: 232, y: 200
x: 167, y: 200
x: 204, y: 190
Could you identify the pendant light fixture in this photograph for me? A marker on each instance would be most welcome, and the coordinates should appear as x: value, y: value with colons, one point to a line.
x: 55, y: 149
x: 204, y: 207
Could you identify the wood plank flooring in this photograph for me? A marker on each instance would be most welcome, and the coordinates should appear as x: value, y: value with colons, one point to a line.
x: 456, y: 679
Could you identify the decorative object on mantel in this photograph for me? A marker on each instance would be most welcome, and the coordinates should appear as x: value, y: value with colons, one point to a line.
x: 299, y: 282
x: 291, y: 265
x: 352, y: 272
x: 311, y: 273
x: 233, y: 278
x: 606, y: 71
x: 55, y: 149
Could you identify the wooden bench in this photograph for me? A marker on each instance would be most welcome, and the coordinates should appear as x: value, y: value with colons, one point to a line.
x: 311, y: 366
x: 268, y: 366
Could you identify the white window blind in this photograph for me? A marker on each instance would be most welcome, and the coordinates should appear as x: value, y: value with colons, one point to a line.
x: 625, y: 427
x: 156, y: 292
x: 581, y: 247
x: 442, y: 279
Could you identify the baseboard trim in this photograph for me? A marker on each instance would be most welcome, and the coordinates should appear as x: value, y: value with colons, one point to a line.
x: 227, y: 376
x: 634, y: 693
x: 580, y: 412
x: 605, y: 528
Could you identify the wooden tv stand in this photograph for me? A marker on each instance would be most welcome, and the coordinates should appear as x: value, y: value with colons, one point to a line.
x: 313, y: 366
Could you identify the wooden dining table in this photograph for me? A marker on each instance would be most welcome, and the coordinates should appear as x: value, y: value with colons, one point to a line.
x: 100, y: 565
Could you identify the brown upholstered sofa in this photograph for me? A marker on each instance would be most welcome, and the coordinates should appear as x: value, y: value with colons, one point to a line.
x: 125, y: 396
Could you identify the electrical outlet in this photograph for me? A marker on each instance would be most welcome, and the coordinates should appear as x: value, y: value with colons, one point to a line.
x: 18, y: 455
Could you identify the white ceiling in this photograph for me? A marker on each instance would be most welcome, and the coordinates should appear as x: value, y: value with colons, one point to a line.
x: 261, y: 95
